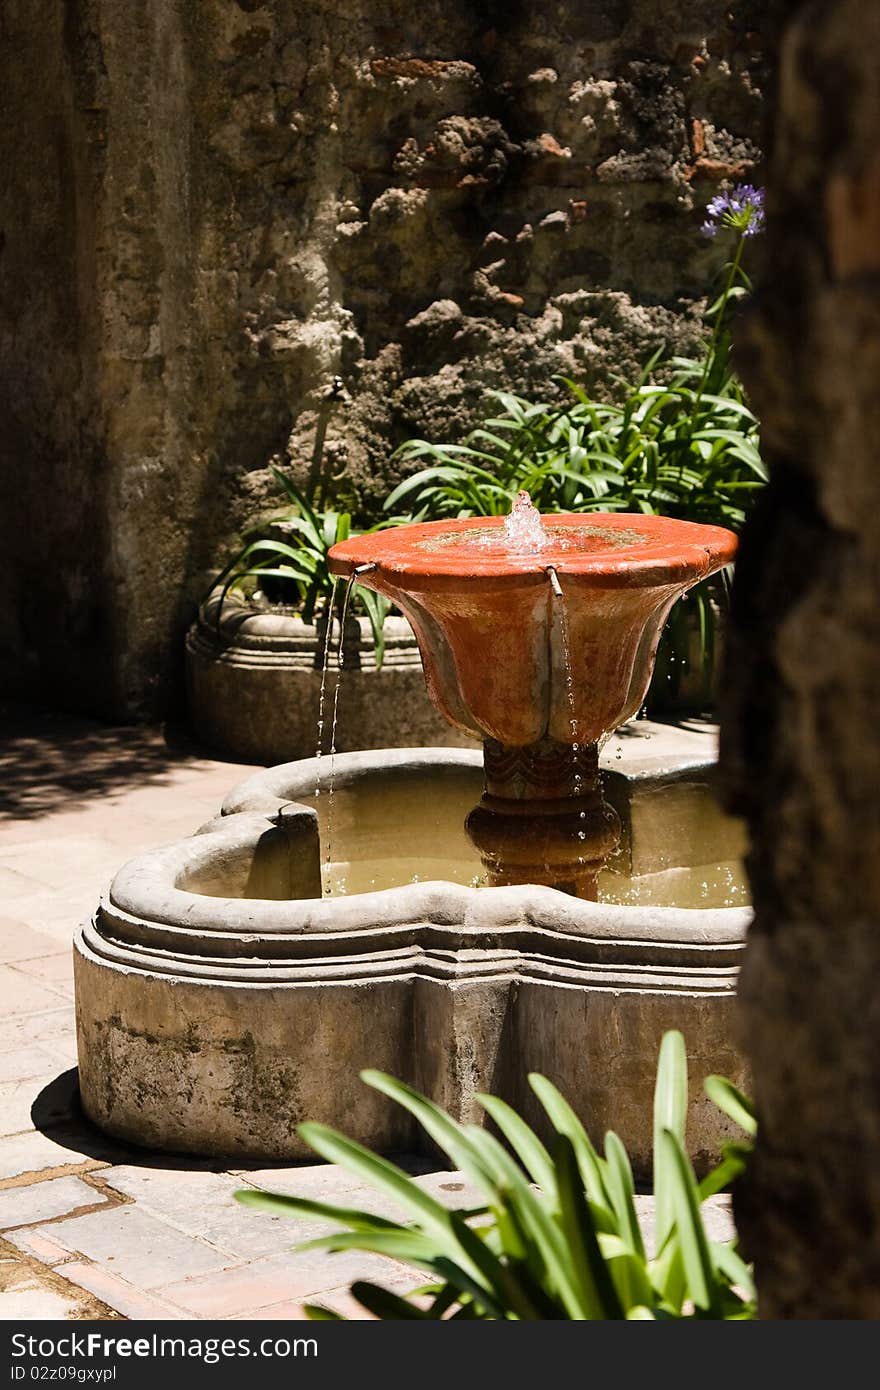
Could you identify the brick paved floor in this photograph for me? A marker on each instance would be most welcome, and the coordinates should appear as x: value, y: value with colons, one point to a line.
x: 89, y: 1228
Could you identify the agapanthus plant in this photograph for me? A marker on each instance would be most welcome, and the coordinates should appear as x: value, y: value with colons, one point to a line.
x: 741, y: 211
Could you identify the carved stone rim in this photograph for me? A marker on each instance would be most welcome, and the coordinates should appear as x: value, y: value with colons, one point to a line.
x: 243, y: 625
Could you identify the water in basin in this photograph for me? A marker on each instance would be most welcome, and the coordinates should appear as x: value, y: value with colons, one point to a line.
x: 392, y: 831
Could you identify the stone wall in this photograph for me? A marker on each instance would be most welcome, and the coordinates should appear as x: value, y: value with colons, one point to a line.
x: 800, y: 741
x: 215, y: 206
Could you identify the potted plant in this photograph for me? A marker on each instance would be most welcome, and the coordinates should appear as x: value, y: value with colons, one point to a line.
x: 267, y: 651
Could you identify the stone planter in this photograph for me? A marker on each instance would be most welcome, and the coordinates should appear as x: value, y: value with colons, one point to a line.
x: 254, y: 685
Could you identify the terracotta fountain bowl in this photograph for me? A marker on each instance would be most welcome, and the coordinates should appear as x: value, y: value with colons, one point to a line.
x: 505, y: 657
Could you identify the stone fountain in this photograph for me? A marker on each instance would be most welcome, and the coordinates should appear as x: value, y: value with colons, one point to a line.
x: 223, y: 996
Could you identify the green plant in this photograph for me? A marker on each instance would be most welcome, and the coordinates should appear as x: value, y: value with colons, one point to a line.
x: 298, y: 566
x: 671, y: 448
x: 558, y: 1235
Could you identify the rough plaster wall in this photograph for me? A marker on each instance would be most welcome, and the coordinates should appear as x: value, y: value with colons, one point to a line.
x: 52, y: 511
x: 250, y: 197
x: 800, y: 745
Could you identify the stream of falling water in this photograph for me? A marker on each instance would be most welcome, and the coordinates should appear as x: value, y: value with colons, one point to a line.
x: 577, y: 780
x: 328, y: 847
x: 325, y: 662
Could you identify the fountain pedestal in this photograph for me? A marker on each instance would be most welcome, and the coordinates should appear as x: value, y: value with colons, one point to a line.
x: 542, y: 817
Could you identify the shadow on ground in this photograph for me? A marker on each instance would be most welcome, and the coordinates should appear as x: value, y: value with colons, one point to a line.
x: 50, y: 760
x: 58, y: 1114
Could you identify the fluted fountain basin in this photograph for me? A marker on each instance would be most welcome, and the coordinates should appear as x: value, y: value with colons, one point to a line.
x: 221, y: 1000
x: 503, y: 658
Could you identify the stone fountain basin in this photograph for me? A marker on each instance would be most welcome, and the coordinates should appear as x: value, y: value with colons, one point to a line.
x: 221, y: 1001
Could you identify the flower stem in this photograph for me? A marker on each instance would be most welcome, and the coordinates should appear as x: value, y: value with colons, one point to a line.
x: 732, y: 273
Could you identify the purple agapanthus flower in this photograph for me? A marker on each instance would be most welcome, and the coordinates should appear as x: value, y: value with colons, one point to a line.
x: 742, y: 209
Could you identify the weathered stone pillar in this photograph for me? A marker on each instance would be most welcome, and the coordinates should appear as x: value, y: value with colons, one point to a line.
x: 801, y: 737
x: 543, y: 818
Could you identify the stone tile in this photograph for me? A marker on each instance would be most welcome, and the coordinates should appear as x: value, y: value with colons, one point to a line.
x: 16, y: 1100
x: 36, y: 1152
x: 32, y: 1242
x: 25, y: 1063
x: 62, y: 861
x: 63, y: 1050
x: 326, y: 1183
x: 281, y: 1312
x: 18, y: 941
x: 319, y: 1181
x: 35, y: 1305
x: 43, y: 1201
x: 202, y: 1204
x: 156, y: 803
x: 32, y: 1293
x: 136, y: 1246
x: 53, y: 825
x: 58, y: 914
x: 51, y: 970
x: 277, y: 1279
x: 342, y: 1301
x: 337, y: 1188
x: 15, y: 886
x: 119, y: 1294
x: 453, y: 1190
x: 20, y: 995
x: 47, y: 1027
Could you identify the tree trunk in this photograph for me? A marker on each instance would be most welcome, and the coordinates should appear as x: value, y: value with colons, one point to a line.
x: 800, y: 731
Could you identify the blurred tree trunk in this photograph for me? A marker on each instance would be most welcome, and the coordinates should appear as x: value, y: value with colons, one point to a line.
x: 801, y: 727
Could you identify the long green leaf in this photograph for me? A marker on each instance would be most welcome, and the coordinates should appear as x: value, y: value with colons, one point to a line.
x: 316, y: 1313
x: 405, y: 1244
x: 566, y: 1122
x: 598, y: 1295
x: 534, y: 1221
x: 523, y: 1141
x: 733, y: 1267
x: 305, y: 1206
x: 670, y: 1113
x: 732, y: 1102
x: 387, y: 1177
x: 386, y: 1305
x: 451, y: 1137
x: 695, y: 1253
x: 619, y: 1182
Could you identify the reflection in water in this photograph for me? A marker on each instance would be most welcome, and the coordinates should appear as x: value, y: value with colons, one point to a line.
x: 411, y: 830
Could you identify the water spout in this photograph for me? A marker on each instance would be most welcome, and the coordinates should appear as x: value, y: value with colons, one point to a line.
x: 554, y: 581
